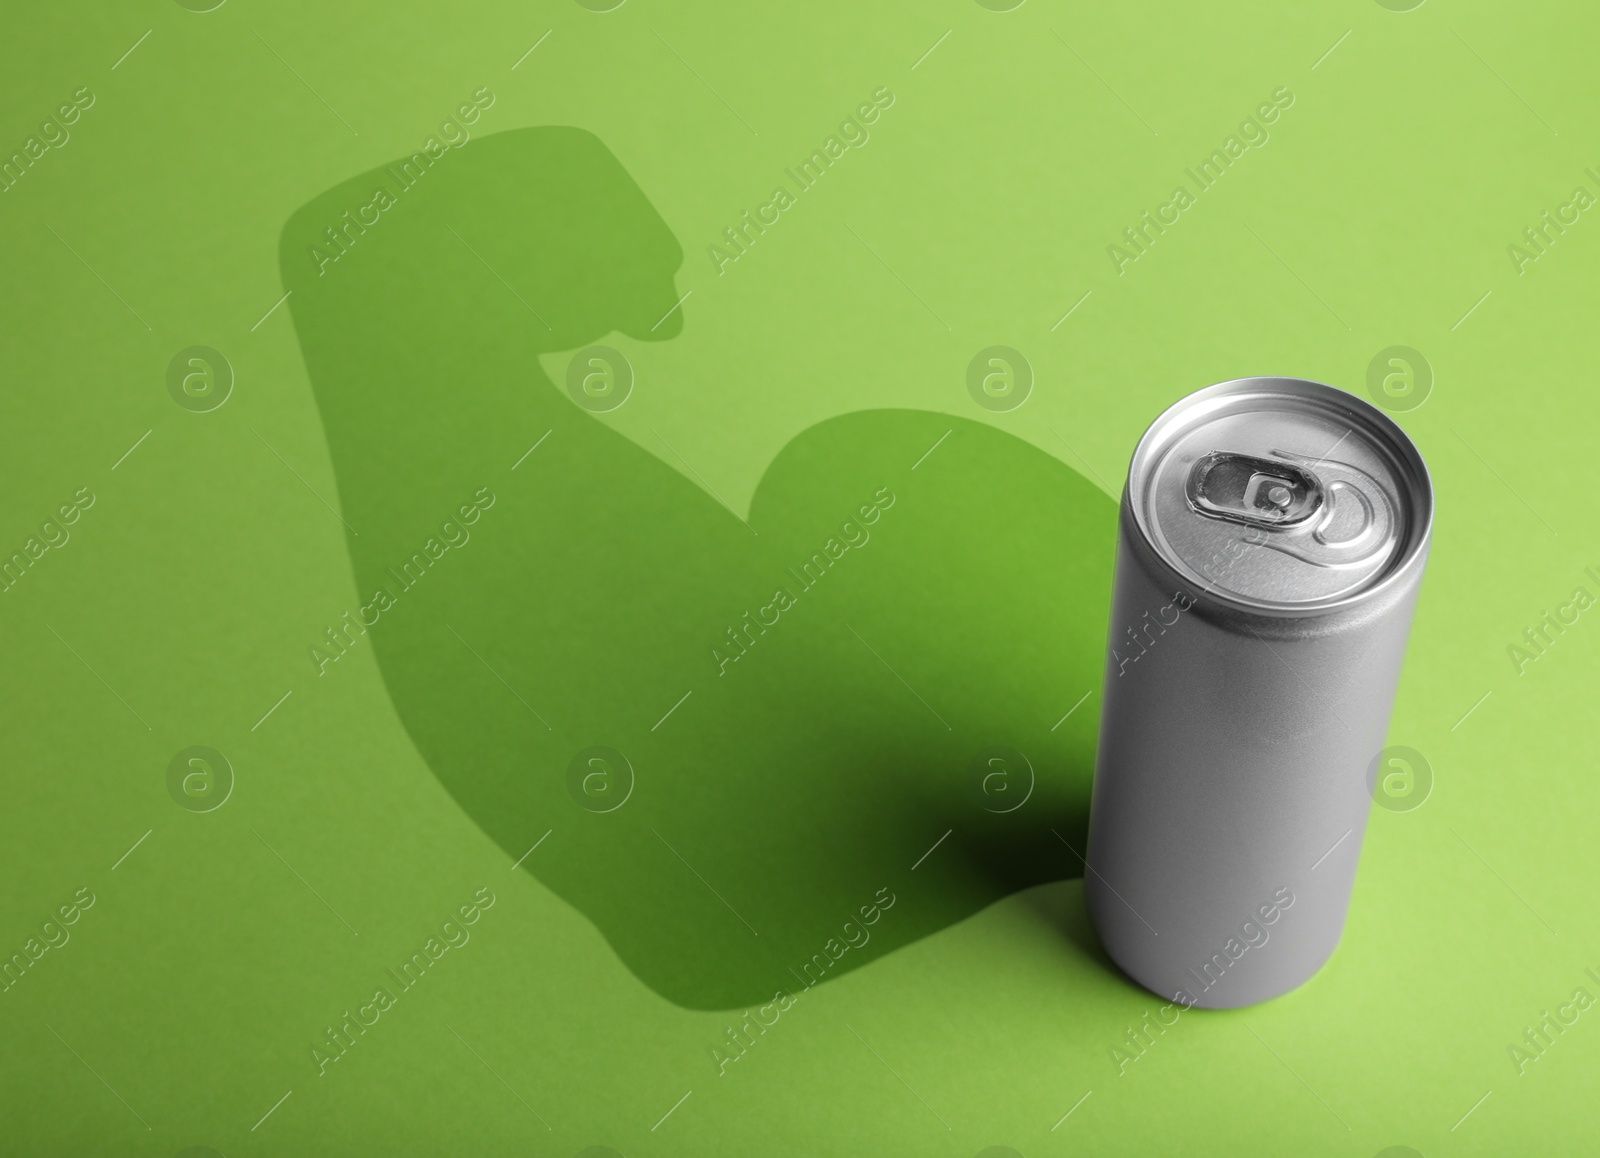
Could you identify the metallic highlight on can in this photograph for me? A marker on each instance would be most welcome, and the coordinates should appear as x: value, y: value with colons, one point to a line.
x: 1271, y: 542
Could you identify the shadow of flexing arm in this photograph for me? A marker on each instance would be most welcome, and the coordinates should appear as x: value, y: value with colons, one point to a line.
x: 841, y: 678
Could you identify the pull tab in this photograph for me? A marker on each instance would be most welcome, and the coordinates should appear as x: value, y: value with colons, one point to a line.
x: 1257, y: 492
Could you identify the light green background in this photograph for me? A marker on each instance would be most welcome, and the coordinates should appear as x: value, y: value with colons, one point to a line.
x: 185, y: 1004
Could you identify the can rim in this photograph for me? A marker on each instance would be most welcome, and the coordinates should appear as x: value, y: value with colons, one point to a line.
x: 1416, y: 490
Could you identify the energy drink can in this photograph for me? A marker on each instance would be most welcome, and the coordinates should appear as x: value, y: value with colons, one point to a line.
x: 1272, y: 537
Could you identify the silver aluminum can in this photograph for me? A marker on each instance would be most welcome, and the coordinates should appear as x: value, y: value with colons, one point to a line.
x: 1272, y: 537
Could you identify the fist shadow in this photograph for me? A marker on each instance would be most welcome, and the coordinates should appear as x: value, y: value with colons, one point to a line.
x: 743, y: 738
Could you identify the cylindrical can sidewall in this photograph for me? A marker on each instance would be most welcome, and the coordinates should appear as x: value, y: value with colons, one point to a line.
x: 1233, y: 755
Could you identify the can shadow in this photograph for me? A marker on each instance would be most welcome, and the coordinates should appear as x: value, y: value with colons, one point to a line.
x: 739, y: 739
x: 1062, y: 912
x: 992, y: 857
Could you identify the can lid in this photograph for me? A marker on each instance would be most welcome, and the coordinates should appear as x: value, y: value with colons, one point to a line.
x: 1280, y: 493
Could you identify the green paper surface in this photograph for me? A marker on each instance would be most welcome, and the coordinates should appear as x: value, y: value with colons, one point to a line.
x: 598, y: 644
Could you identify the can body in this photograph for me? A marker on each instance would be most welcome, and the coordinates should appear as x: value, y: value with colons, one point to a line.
x: 1259, y: 620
